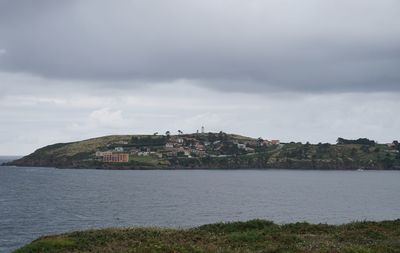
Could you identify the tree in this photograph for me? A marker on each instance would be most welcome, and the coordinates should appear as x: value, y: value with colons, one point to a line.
x: 360, y: 141
x: 155, y: 133
x: 180, y: 132
x: 222, y: 136
x: 396, y: 145
x: 340, y: 141
x: 168, y: 133
x: 322, y: 149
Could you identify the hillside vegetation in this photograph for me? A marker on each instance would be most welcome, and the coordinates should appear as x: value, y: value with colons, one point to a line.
x: 215, y: 150
x: 252, y: 236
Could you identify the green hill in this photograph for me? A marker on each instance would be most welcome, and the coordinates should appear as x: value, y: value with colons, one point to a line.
x: 248, y: 237
x: 212, y: 150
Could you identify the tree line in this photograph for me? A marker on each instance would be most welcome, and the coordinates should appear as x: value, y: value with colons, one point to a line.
x: 361, y: 141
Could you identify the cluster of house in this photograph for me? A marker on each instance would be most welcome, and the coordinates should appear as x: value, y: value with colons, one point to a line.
x: 185, y: 146
x: 176, y: 146
x: 188, y: 146
x: 394, y: 147
x: 270, y: 142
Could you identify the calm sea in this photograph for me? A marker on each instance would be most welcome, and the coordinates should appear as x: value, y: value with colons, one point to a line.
x: 41, y: 201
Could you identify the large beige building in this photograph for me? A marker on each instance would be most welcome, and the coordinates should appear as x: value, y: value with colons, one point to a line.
x: 116, y: 157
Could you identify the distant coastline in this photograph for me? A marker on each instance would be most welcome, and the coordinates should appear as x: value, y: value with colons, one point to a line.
x: 213, y: 151
x: 8, y: 158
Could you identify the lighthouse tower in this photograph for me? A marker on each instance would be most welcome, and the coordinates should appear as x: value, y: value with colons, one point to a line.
x: 202, y: 129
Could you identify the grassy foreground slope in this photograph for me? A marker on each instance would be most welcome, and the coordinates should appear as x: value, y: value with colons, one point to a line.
x: 251, y: 236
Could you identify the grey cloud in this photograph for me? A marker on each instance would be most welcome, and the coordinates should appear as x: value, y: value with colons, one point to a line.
x: 32, y: 121
x: 252, y: 46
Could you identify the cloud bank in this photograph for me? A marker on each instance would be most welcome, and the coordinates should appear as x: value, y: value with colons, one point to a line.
x: 42, y: 115
x: 239, y: 45
x: 309, y: 70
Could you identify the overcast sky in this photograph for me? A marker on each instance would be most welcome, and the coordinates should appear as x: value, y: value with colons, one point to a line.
x: 310, y: 70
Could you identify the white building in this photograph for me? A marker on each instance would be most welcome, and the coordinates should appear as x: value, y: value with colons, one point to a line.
x: 101, y: 154
x: 241, y: 146
x: 169, y: 145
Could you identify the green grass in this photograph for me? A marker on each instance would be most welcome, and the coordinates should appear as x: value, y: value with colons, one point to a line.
x: 146, y: 160
x: 252, y: 236
x: 88, y: 146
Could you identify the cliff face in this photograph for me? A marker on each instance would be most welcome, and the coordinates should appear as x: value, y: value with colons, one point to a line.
x: 219, y: 151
